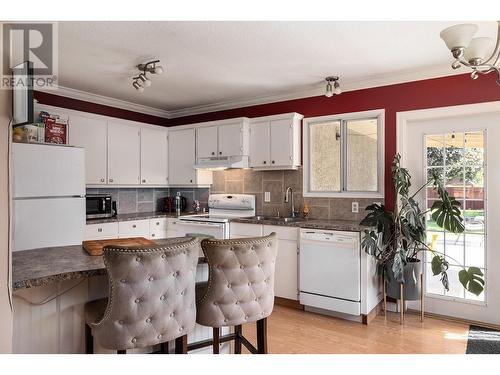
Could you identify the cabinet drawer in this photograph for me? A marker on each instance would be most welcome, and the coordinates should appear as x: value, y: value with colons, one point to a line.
x: 245, y: 230
x: 283, y: 233
x: 101, y: 231
x: 158, y: 228
x: 158, y: 224
x: 133, y: 228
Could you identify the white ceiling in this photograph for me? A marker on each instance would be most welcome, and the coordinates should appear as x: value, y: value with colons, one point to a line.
x: 216, y: 64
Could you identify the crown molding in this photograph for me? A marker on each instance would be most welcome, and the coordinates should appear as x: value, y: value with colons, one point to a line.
x: 106, y: 100
x: 318, y: 90
x: 363, y: 83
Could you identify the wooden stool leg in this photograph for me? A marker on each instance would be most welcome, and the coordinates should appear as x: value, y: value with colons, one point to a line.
x: 401, y: 303
x: 422, y: 298
x: 181, y: 345
x: 237, y: 340
x: 216, y: 341
x: 164, y: 348
x: 262, y: 336
x: 89, y: 340
x: 385, y: 296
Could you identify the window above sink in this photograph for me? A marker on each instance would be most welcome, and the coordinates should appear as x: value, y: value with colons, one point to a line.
x: 344, y: 155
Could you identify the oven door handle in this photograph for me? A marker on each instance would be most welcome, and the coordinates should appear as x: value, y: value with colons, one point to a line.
x: 199, y: 223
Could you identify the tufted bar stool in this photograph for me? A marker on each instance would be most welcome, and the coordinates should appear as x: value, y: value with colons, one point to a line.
x: 240, y: 289
x: 151, y: 297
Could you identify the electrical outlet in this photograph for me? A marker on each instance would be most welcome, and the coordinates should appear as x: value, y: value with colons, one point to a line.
x: 267, y: 196
x: 355, y: 207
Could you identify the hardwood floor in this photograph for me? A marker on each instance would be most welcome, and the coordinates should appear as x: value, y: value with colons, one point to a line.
x: 295, y: 331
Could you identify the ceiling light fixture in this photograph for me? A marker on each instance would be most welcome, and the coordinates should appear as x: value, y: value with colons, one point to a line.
x: 142, y: 80
x: 332, y: 89
x: 473, y: 52
x: 138, y: 87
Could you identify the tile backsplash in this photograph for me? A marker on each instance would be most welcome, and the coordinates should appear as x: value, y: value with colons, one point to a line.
x: 132, y: 200
x: 248, y: 181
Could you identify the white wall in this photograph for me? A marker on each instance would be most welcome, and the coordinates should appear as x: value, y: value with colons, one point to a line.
x: 5, y: 308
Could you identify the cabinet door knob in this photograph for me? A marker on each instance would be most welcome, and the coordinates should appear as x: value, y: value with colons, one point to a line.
x: 272, y: 162
x: 191, y: 181
x: 143, y: 181
x: 213, y: 153
x: 134, y: 226
x: 264, y: 162
x: 152, y: 234
x: 157, y: 223
x: 99, y: 229
x: 102, y: 179
x: 220, y: 152
x: 110, y: 180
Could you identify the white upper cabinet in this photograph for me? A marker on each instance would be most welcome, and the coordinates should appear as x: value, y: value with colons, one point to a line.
x: 154, y: 156
x: 206, y: 141
x: 281, y: 142
x: 275, y: 141
x: 181, y: 156
x: 124, y: 152
x: 91, y: 134
x: 181, y: 159
x: 231, y: 139
x: 223, y: 138
x: 260, y: 144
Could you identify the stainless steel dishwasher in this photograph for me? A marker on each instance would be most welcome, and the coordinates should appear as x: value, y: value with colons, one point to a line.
x: 330, y: 270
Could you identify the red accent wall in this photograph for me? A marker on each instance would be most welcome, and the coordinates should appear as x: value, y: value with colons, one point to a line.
x: 437, y: 92
x: 80, y: 105
x: 430, y: 93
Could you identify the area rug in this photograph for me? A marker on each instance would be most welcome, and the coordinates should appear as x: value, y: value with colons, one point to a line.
x: 483, y: 340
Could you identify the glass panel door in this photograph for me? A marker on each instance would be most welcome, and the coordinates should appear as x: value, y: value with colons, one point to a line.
x: 458, y: 158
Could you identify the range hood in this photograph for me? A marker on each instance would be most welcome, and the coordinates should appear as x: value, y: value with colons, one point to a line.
x: 222, y: 162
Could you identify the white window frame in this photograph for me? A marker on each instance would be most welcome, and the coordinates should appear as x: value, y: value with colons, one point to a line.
x: 306, y: 124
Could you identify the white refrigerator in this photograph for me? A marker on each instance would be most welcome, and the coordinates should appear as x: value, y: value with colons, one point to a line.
x: 48, y: 195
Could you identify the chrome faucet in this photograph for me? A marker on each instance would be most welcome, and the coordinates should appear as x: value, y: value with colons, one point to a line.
x: 289, y: 190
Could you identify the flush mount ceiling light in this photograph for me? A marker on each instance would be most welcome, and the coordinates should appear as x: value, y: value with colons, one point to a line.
x: 334, y: 88
x: 475, y: 53
x: 142, y: 80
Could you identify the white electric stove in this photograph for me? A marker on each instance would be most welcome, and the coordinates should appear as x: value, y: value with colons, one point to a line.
x: 222, y: 207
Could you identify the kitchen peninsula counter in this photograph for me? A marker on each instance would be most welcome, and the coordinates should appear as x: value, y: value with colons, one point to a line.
x: 40, y: 267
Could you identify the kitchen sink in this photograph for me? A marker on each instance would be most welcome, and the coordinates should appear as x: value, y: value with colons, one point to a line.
x: 290, y: 219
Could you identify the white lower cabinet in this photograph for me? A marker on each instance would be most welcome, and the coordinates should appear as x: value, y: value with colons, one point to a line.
x: 286, y: 274
x: 240, y: 230
x: 133, y: 228
x: 101, y: 231
x: 172, y: 227
x: 154, y: 229
x: 158, y: 228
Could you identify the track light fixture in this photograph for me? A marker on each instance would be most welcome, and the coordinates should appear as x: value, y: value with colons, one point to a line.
x: 332, y: 89
x: 142, y: 80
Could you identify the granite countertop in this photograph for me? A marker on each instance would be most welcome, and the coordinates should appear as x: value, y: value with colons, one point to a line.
x: 139, y: 216
x: 342, y: 225
x: 38, y: 267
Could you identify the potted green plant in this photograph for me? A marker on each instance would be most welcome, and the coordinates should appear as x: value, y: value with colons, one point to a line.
x: 396, y: 238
